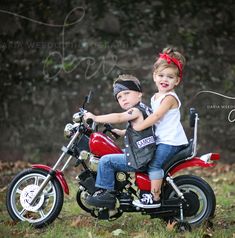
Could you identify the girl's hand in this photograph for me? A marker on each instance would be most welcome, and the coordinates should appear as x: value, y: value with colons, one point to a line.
x: 119, y: 132
x: 88, y: 115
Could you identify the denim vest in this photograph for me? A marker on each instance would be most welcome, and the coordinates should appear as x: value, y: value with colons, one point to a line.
x: 140, y: 146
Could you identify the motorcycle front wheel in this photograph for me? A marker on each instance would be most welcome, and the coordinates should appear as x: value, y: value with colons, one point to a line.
x: 199, y: 196
x: 46, y: 207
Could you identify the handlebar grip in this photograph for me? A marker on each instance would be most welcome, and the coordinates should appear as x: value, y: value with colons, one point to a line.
x: 89, y: 121
x: 115, y: 134
x: 192, y: 116
x: 109, y: 127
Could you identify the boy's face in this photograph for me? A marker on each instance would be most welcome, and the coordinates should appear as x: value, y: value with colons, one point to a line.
x: 128, y: 98
x: 166, y: 79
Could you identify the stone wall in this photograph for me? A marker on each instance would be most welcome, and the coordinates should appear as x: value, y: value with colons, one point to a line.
x: 54, y: 52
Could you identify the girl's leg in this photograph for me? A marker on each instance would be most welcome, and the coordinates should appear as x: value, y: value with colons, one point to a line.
x: 163, y: 153
x: 156, y: 188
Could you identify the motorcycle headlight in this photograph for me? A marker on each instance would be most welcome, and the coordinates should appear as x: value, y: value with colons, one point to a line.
x: 77, y: 116
x: 68, y: 130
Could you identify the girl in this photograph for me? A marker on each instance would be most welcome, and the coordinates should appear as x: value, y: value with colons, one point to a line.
x: 171, y: 138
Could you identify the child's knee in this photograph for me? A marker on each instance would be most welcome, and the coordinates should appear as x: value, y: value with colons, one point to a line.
x: 104, y: 160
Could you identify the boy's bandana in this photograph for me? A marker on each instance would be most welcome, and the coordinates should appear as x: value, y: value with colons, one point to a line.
x: 170, y: 59
x: 120, y: 86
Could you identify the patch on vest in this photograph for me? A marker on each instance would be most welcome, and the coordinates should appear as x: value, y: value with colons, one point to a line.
x: 146, y: 141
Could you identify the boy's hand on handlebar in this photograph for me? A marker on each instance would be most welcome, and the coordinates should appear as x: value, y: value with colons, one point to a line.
x: 88, y: 115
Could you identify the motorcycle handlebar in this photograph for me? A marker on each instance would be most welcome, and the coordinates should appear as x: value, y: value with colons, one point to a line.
x: 89, y: 121
x: 109, y: 127
x: 91, y: 124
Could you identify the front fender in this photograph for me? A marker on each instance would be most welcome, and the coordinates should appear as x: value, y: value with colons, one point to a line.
x: 195, y: 162
x: 59, y: 175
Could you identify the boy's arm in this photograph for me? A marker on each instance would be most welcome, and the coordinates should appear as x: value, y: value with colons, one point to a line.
x: 113, y: 118
x: 164, y: 107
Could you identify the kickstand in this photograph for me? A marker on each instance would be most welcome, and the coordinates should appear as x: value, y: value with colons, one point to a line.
x: 181, y: 213
x: 182, y: 225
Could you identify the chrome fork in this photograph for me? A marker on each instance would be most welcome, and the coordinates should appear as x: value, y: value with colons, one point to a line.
x: 52, y: 172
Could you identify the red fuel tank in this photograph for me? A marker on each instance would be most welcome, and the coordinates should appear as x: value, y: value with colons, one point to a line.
x: 100, y: 145
x: 142, y: 181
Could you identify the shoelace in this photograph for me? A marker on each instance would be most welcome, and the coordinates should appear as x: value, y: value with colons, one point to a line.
x: 147, y: 198
x: 98, y: 192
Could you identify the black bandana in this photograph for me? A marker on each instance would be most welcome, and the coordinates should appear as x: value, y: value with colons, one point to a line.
x: 120, y: 86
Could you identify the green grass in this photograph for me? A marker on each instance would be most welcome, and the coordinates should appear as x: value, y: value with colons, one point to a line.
x: 73, y: 222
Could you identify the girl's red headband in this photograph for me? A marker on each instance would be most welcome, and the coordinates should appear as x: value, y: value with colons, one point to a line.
x: 170, y: 59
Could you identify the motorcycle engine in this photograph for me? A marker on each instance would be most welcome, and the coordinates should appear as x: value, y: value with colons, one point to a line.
x: 93, y: 163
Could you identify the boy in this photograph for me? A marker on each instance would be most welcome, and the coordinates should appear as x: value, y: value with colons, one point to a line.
x: 139, y: 146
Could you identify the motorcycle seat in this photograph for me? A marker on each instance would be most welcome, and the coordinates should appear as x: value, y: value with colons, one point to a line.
x: 180, y: 156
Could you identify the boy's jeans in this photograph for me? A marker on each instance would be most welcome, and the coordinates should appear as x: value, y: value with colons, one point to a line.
x: 109, y: 164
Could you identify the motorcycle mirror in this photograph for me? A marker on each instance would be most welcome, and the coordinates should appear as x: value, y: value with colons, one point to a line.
x: 87, y: 99
x: 89, y: 96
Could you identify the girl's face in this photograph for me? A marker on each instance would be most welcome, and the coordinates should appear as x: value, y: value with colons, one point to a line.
x: 166, y: 79
x: 128, y: 98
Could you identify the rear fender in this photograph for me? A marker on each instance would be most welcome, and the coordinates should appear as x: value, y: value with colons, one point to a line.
x: 59, y: 175
x: 195, y: 162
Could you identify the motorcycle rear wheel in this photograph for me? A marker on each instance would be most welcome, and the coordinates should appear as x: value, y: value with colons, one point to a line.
x: 200, y: 189
x: 46, y: 208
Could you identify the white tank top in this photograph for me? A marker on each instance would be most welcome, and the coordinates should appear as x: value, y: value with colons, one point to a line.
x: 169, y: 129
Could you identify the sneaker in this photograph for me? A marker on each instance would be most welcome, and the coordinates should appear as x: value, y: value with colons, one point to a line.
x: 147, y: 201
x: 102, y: 198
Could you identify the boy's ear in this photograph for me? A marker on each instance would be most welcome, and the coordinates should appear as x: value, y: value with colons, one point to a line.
x: 140, y: 95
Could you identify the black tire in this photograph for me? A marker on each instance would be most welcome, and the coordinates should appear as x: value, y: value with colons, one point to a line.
x: 201, y: 194
x: 18, y: 195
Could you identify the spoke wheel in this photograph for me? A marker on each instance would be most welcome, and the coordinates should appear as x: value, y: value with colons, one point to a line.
x: 21, y: 191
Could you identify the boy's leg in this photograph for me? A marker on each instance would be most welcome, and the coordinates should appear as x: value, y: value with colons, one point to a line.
x: 108, y: 165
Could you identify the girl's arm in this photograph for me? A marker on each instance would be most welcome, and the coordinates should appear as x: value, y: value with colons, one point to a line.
x: 167, y: 103
x: 113, y: 118
x: 119, y: 132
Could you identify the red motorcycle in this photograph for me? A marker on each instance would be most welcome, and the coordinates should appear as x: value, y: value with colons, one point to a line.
x: 36, y: 195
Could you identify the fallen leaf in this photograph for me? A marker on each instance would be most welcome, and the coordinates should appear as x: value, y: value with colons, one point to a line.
x: 142, y: 234
x: 118, y: 232
x: 90, y: 235
x: 3, y: 189
x: 81, y: 221
x: 170, y: 225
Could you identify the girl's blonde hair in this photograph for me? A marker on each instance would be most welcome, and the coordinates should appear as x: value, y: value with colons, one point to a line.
x: 173, y: 53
